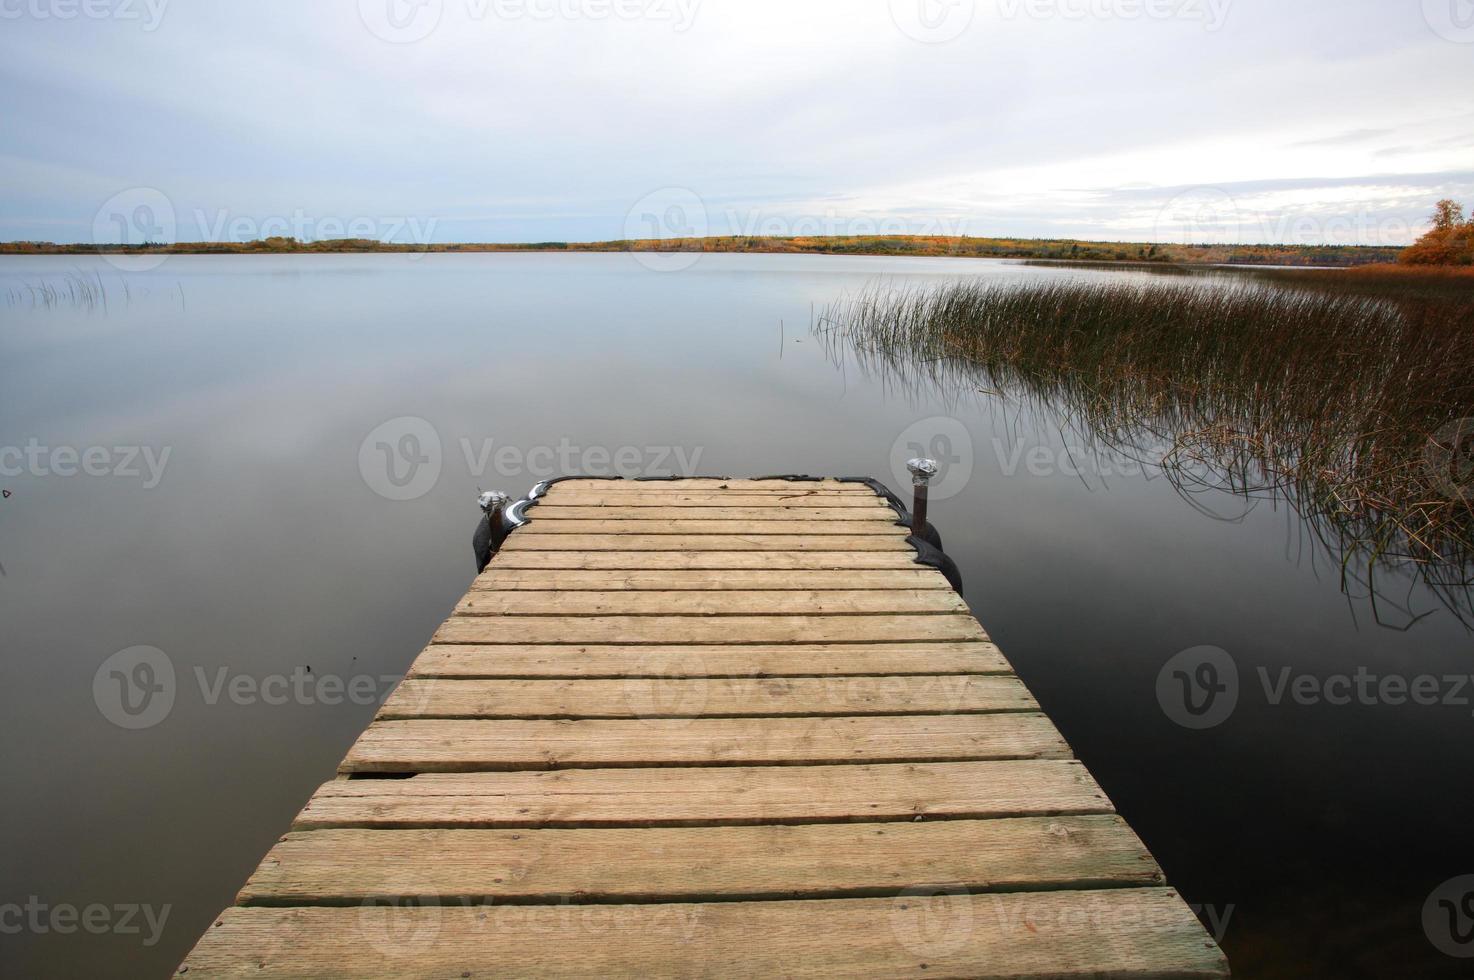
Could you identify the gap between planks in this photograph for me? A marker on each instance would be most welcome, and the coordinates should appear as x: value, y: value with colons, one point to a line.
x: 489, y: 745
x: 703, y: 560
x: 532, y: 661
x: 1123, y: 932
x: 709, y: 796
x: 498, y: 579
x: 778, y: 811
x: 678, y: 864
x: 792, y: 602
x: 708, y: 697
x: 760, y: 629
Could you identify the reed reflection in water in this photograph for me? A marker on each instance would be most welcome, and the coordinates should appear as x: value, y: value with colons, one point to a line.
x: 1347, y: 396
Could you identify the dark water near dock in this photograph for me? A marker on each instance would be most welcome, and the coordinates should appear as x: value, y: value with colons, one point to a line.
x: 265, y: 469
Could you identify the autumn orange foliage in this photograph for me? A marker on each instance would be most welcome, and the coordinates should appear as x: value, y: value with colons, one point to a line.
x: 1449, y: 242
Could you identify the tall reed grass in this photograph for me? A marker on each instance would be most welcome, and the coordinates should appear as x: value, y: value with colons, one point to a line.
x: 1349, y: 400
x: 74, y: 290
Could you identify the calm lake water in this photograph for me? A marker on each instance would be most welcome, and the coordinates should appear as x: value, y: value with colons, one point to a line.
x: 197, y: 467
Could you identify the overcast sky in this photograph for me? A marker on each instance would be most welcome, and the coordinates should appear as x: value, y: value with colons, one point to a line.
x: 537, y: 120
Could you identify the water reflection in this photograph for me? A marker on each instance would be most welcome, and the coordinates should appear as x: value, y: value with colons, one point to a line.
x: 1347, y: 400
x: 266, y: 552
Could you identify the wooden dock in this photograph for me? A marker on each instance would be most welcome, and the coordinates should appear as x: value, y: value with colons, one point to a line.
x: 709, y: 728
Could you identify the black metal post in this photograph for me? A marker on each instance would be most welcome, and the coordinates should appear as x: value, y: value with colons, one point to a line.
x: 918, y: 510
x: 922, y: 471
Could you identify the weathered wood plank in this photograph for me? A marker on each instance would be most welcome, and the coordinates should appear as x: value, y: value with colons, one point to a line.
x: 499, y: 579
x: 707, y: 483
x: 708, y: 697
x: 1119, y: 932
x: 876, y: 512
x: 708, y: 498
x: 786, y: 660
x: 692, y: 864
x: 703, y: 560
x: 709, y: 796
x: 745, y: 528
x: 681, y: 706
x: 523, y: 540
x: 730, y: 603
x: 476, y: 746
x: 707, y: 629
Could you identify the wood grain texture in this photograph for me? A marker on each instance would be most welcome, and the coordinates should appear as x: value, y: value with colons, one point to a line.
x: 784, y: 510
x: 766, y: 602
x: 1122, y: 933
x: 703, y: 560
x: 469, y: 746
x: 500, y: 579
x: 615, y: 497
x: 709, y: 728
x: 707, y: 697
x: 706, y: 483
x: 685, y: 527
x: 524, y: 539
x: 707, y: 629
x: 709, y: 660
x: 339, y: 867
x: 720, y: 795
